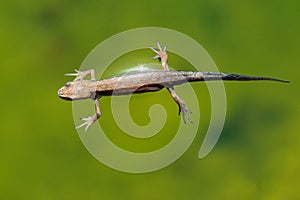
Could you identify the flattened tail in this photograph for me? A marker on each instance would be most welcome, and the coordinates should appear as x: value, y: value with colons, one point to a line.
x: 211, y: 76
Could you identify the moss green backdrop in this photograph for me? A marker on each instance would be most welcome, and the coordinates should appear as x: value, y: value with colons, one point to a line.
x: 257, y: 156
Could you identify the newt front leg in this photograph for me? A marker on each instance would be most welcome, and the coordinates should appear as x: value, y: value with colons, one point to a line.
x: 91, y: 119
x: 81, y: 74
x: 162, y: 55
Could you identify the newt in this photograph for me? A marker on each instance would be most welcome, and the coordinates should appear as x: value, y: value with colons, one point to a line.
x: 141, y: 82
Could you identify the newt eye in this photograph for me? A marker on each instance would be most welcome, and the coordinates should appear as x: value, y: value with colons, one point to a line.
x: 68, y: 84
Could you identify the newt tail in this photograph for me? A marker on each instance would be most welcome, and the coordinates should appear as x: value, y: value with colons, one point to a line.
x: 214, y: 76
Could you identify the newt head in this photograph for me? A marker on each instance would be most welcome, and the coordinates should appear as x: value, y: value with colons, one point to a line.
x: 75, y: 90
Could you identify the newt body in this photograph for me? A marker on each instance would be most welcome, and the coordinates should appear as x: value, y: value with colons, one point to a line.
x: 141, y: 82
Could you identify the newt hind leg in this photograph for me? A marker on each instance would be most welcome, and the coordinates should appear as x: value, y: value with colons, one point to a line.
x: 162, y: 55
x: 183, y: 109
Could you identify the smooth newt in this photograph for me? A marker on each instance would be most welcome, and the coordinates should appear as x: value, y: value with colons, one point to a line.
x: 141, y: 82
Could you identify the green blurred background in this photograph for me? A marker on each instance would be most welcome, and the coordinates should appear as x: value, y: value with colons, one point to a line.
x: 257, y: 156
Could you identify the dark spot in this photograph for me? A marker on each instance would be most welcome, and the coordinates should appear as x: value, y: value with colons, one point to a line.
x: 68, y: 84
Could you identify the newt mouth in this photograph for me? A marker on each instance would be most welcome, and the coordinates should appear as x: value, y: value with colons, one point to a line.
x: 62, y: 95
x: 65, y: 98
